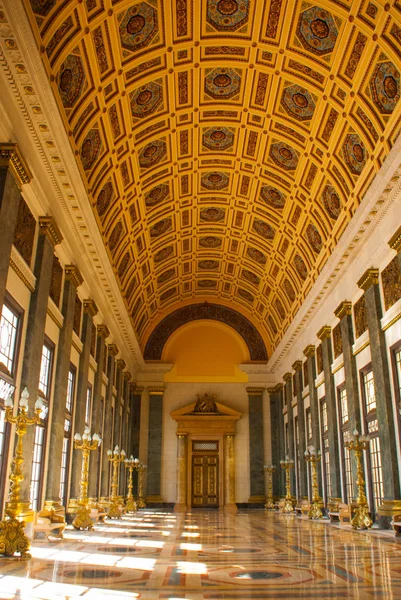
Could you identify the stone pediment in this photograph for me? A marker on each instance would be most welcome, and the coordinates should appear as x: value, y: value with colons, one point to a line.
x: 192, y: 420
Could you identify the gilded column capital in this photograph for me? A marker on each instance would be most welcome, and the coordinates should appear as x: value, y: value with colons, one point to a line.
x: 255, y: 391
x: 72, y: 273
x: 90, y: 307
x: 297, y: 366
x: 11, y: 157
x: 277, y: 388
x: 309, y: 351
x: 120, y: 364
x: 287, y: 377
x: 103, y: 331
x: 324, y: 332
x: 344, y: 309
x: 369, y: 278
x: 156, y: 391
x: 138, y: 391
x: 127, y: 376
x: 112, y: 350
x: 395, y: 240
x: 182, y: 436
x: 49, y: 228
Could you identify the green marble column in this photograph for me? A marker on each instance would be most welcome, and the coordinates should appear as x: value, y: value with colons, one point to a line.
x: 303, y: 481
x: 290, y: 419
x: 256, y: 445
x: 155, y: 436
x: 277, y: 437
x: 112, y: 352
x: 309, y: 352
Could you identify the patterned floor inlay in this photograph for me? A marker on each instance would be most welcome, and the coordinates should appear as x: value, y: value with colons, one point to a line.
x: 253, y: 555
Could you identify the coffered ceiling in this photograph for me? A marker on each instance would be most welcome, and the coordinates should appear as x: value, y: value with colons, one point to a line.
x: 224, y: 144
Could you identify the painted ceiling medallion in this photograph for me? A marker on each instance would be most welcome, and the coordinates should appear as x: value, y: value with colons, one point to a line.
x: 71, y: 80
x: 317, y: 31
x: 152, y: 153
x: 227, y: 15
x: 263, y: 229
x: 284, y: 156
x: 245, y: 295
x: 161, y: 227
x: 216, y: 180
x: 210, y: 241
x: 90, y: 149
x: 166, y: 276
x: 208, y: 265
x: 157, y: 195
x: 256, y: 255
x: 331, y: 201
x: 222, y: 83
x: 354, y: 153
x: 207, y: 283
x: 298, y: 102
x: 300, y: 266
x: 163, y: 254
x: 146, y: 100
x: 385, y: 87
x: 314, y: 238
x: 250, y: 276
x: 168, y: 294
x: 105, y: 198
x: 212, y: 214
x: 218, y: 138
x: 138, y: 26
x: 272, y: 196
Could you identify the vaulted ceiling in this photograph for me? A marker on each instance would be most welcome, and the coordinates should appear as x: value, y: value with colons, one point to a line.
x: 224, y: 144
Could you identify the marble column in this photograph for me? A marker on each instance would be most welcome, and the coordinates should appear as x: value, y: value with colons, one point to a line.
x: 290, y: 430
x: 97, y: 416
x: 120, y: 366
x: 181, y: 502
x: 309, y: 352
x: 90, y: 310
x: 124, y: 430
x: 49, y: 237
x: 14, y: 173
x: 369, y: 282
x: 330, y: 396
x: 112, y: 352
x: 155, y: 444
x: 303, y: 481
x: 72, y: 281
x: 277, y: 437
x: 256, y: 445
x: 135, y: 421
x: 229, y: 474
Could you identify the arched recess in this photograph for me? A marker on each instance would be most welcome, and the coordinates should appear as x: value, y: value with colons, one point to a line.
x: 194, y: 312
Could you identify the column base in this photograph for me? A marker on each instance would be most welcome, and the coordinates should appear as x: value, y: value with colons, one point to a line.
x: 386, y: 512
x: 13, y: 539
x: 231, y: 508
x: 257, y: 499
x: 180, y: 508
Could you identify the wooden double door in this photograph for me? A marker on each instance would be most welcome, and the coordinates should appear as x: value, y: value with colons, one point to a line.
x: 205, y: 474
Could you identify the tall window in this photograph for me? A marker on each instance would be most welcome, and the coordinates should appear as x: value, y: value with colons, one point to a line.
x: 37, y: 463
x: 65, y: 457
x: 345, y: 453
x: 286, y: 440
x: 9, y: 329
x: 376, y: 491
x: 326, y: 450
x: 308, y: 423
x: 88, y: 406
x: 45, y: 370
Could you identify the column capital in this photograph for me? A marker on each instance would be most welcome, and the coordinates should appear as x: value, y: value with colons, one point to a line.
x: 309, y: 351
x: 73, y: 274
x: 90, y: 307
x: 137, y: 390
x: 120, y: 364
x: 255, y: 391
x: 287, y: 377
x: 103, y: 331
x: 395, y: 240
x: 297, y: 366
x: 324, y: 332
x: 10, y: 156
x: 275, y: 389
x: 127, y: 376
x: 49, y: 228
x: 344, y: 309
x: 181, y: 436
x: 112, y: 349
x: 369, y: 278
x: 156, y: 391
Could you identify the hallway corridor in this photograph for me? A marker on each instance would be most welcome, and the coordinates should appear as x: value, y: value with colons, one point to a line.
x: 208, y: 555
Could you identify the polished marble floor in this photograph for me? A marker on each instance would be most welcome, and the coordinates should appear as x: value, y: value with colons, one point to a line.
x: 208, y: 555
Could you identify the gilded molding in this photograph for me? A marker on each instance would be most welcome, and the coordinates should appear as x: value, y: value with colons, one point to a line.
x: 18, y: 265
x: 344, y: 309
x: 49, y: 228
x: 287, y: 377
x: 73, y: 274
x: 395, y: 240
x: 309, y: 351
x: 103, y: 331
x: 369, y: 278
x: 90, y: 307
x: 254, y: 391
x: 120, y: 364
x: 324, y: 332
x: 156, y: 391
x: 10, y: 156
x: 297, y: 366
x: 112, y: 349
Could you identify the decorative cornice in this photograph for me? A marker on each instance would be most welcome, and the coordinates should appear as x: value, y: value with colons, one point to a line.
x: 103, y: 331
x: 18, y: 264
x: 120, y: 364
x: 49, y: 228
x: 73, y: 274
x: 395, y: 240
x: 369, y: 278
x: 324, y: 332
x: 344, y: 309
x: 287, y: 377
x: 156, y: 391
x: 127, y: 376
x: 297, y: 366
x: 309, y: 351
x: 90, y: 307
x: 11, y: 157
x: 254, y: 391
x: 277, y: 388
x: 112, y: 350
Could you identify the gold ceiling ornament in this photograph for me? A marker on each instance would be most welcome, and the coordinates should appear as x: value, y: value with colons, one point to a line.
x: 225, y: 146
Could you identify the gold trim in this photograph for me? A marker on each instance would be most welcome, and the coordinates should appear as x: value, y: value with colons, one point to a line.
x: 395, y: 240
x: 254, y: 391
x: 156, y: 391
x: 49, y: 228
x: 309, y: 351
x: 90, y: 307
x: 11, y: 157
x: 369, y: 278
x: 73, y: 274
x: 344, y: 309
x: 297, y: 365
x: 22, y: 270
x: 277, y: 388
x: 324, y: 332
x: 391, y: 323
x: 358, y: 350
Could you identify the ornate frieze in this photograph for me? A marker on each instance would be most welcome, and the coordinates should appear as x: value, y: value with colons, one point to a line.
x: 361, y: 323
x: 391, y: 282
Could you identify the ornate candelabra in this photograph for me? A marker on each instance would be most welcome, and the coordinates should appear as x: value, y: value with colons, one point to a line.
x: 358, y: 443
x: 130, y: 464
x: 141, y: 468
x: 269, y: 500
x: 115, y: 457
x: 86, y: 443
x: 12, y: 536
x: 313, y: 457
x: 287, y: 464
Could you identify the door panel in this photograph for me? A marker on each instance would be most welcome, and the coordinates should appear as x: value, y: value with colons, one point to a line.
x: 205, y: 478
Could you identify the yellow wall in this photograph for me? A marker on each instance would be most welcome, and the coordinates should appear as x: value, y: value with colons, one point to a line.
x: 205, y: 351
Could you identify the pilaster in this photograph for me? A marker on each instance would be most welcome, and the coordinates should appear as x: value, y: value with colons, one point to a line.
x: 310, y: 354
x: 112, y: 352
x: 303, y: 482
x: 276, y: 398
x: 256, y: 453
x: 155, y: 444
x: 290, y: 450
